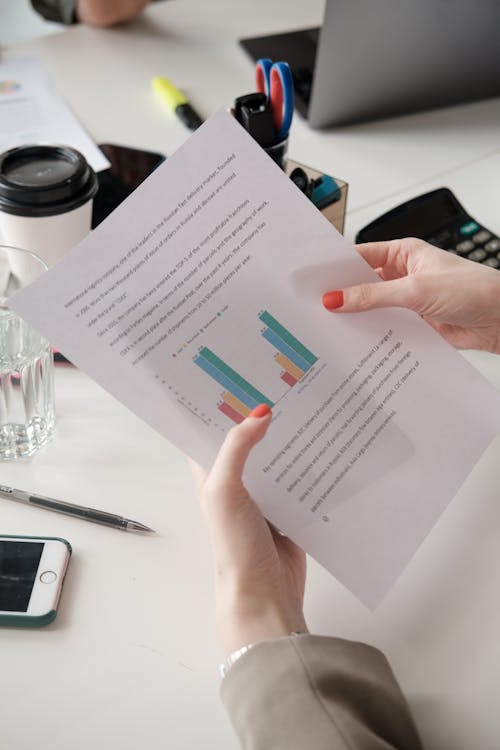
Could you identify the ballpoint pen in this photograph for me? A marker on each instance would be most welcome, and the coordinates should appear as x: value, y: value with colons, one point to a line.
x: 77, y: 511
x: 177, y: 102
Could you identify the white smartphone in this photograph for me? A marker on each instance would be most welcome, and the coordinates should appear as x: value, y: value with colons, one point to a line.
x: 32, y: 571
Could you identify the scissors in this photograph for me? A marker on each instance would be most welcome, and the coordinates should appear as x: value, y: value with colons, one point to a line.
x: 275, y: 81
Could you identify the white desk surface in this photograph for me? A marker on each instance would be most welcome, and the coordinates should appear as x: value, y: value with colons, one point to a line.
x: 131, y: 660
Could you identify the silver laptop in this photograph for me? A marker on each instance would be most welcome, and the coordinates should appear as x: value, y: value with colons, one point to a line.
x: 379, y: 58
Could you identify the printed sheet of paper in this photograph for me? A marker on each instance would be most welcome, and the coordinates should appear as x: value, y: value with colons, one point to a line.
x: 31, y: 111
x: 200, y: 297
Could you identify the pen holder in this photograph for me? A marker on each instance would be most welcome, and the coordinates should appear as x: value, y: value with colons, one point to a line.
x: 278, y: 152
x: 328, y: 193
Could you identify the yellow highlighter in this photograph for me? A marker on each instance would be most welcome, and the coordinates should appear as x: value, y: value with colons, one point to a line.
x: 177, y: 102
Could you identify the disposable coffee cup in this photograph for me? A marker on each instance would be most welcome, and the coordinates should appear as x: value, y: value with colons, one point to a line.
x: 46, y: 195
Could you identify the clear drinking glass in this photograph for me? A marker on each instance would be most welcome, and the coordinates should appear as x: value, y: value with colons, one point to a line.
x: 26, y: 364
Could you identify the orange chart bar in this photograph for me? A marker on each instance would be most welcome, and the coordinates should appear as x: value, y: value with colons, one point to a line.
x: 236, y: 404
x: 289, y: 366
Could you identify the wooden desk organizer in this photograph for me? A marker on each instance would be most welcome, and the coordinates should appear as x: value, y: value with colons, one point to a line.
x: 334, y: 211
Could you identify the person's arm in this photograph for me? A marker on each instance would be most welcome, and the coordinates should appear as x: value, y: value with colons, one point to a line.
x: 93, y: 12
x: 259, y: 574
x: 457, y: 297
x: 286, y: 691
x: 108, y: 12
x: 318, y: 693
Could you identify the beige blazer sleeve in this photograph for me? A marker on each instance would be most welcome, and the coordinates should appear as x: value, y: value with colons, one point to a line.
x: 317, y: 693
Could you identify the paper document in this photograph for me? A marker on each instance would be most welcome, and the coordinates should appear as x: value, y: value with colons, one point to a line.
x: 200, y: 297
x: 32, y: 112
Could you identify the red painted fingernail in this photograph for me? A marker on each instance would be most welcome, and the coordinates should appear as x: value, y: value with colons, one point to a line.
x: 260, y: 411
x: 332, y: 300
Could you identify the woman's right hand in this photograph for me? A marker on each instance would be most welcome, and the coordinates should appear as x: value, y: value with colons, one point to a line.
x: 260, y: 574
x: 457, y: 297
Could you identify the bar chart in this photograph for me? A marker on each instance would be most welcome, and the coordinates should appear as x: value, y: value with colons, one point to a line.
x: 293, y: 357
x: 240, y: 395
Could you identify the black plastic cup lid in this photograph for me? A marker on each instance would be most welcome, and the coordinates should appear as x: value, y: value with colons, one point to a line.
x: 44, y: 180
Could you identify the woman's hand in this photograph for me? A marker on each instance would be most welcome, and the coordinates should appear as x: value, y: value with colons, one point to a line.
x: 457, y: 297
x: 259, y: 574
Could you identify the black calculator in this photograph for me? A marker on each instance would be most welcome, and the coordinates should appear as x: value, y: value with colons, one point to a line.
x: 439, y: 218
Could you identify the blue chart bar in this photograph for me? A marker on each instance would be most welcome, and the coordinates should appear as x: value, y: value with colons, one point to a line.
x: 283, y: 347
x: 226, y: 382
x: 288, y: 337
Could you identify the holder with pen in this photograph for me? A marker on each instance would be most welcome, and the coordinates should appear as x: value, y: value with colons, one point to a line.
x: 267, y: 115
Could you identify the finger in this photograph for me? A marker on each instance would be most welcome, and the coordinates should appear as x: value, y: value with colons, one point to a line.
x: 237, y: 445
x: 233, y: 520
x: 405, y: 292
x: 393, y: 257
x: 375, y: 253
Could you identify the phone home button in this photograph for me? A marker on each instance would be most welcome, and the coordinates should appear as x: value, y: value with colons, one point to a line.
x: 48, y: 576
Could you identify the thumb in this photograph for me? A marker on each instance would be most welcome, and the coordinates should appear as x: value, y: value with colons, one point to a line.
x: 394, y: 293
x: 239, y: 441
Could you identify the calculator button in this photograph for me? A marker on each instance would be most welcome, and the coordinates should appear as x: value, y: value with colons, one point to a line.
x: 482, y: 236
x: 469, y: 227
x: 493, y: 245
x: 479, y: 254
x: 441, y: 239
x: 465, y: 247
x: 493, y: 262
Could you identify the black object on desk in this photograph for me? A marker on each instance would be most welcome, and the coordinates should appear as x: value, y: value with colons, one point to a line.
x: 129, y: 167
x: 254, y: 113
x: 437, y: 217
x: 298, y: 48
